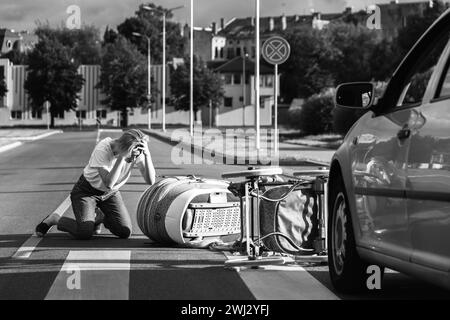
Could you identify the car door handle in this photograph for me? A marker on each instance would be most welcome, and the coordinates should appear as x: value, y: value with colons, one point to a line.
x: 403, y: 134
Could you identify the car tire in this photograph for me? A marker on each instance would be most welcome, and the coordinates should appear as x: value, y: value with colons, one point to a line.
x: 347, y: 270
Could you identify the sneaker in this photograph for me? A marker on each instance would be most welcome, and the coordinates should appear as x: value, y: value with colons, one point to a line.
x: 42, y: 228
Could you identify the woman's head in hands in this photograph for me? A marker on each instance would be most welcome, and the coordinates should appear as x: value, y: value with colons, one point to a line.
x: 128, y: 145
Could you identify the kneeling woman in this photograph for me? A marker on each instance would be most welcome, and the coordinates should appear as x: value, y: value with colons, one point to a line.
x: 108, y: 170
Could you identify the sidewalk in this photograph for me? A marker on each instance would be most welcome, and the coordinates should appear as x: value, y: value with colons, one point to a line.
x: 13, y: 138
x: 244, y: 147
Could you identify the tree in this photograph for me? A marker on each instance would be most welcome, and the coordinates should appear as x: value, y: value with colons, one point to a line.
x: 84, y: 44
x: 304, y: 73
x: 52, y: 77
x: 208, y: 87
x: 124, y: 77
x: 384, y: 59
x: 352, y: 48
x: 417, y: 24
x: 110, y: 36
x: 149, y: 23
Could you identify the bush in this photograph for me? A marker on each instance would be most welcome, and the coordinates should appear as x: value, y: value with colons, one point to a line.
x: 315, y: 116
x: 293, y: 116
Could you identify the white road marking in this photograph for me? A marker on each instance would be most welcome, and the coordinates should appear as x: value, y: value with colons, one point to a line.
x: 283, y: 282
x: 10, y: 146
x: 101, y: 275
x: 27, y: 248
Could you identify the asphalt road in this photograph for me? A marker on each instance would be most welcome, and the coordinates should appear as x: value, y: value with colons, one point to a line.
x: 38, y: 176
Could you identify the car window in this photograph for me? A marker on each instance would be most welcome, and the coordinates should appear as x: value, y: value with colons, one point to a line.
x: 416, y: 85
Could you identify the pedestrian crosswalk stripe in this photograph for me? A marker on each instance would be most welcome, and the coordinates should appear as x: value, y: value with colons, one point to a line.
x: 285, y: 282
x: 93, y: 275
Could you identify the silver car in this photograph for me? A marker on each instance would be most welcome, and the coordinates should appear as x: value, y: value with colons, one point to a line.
x: 389, y: 189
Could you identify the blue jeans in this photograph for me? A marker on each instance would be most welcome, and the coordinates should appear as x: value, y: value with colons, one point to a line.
x: 85, y: 200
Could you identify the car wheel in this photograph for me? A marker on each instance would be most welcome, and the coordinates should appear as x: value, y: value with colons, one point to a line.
x: 347, y: 270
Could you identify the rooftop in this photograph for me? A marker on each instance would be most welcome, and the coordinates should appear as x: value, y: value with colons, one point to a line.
x: 245, y: 27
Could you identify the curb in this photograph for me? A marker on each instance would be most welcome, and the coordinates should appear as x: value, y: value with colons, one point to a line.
x: 10, y: 146
x: 236, y: 160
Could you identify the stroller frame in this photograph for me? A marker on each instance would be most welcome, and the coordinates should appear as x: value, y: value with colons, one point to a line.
x: 314, y: 180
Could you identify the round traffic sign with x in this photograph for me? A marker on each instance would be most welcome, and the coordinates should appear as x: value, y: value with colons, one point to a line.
x: 276, y: 50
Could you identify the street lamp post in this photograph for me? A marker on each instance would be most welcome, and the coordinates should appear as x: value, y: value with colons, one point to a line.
x: 164, y: 14
x: 149, y: 78
x: 191, y: 89
x: 164, y: 75
x: 244, y: 83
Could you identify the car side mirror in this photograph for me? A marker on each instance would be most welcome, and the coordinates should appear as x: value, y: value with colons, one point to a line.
x: 355, y: 95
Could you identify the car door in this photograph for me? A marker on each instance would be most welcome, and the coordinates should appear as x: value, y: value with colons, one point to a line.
x: 379, y: 162
x: 428, y: 187
x: 383, y: 153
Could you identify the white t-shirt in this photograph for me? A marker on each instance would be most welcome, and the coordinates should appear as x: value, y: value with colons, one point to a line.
x: 103, y: 157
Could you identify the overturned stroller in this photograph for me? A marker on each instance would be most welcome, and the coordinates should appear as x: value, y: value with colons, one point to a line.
x: 261, y: 213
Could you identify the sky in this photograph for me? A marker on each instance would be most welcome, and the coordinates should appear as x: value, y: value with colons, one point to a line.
x: 23, y: 14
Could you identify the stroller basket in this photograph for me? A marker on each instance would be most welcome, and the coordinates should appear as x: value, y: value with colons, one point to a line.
x: 212, y: 219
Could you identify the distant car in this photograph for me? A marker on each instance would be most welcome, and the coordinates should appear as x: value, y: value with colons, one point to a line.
x: 389, y: 188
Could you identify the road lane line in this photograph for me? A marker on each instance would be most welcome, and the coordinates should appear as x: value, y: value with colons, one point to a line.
x: 93, y: 275
x: 285, y: 282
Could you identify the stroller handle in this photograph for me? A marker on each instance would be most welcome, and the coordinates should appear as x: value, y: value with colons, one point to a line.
x: 253, y: 173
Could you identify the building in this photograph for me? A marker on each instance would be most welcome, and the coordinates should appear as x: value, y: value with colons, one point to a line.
x: 237, y: 36
x: 16, y: 111
x: 238, y: 107
x: 10, y: 39
x: 202, y: 42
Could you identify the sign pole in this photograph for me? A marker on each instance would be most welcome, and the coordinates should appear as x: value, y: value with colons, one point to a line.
x: 276, y: 50
x: 164, y: 76
x: 191, y: 72
x: 275, y: 94
x: 149, y: 84
x: 48, y: 114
